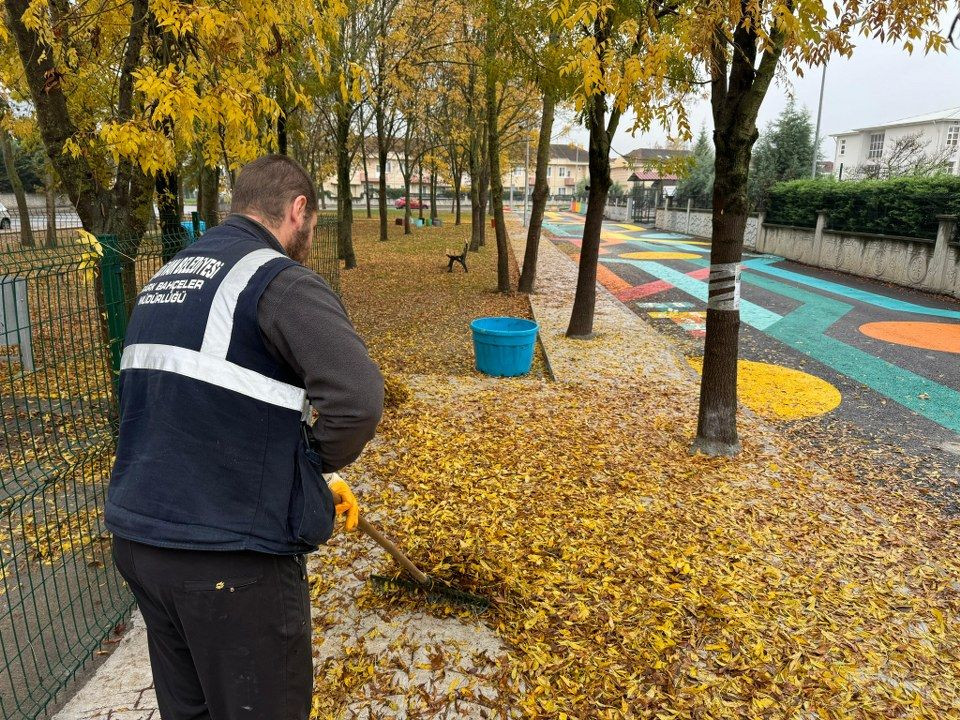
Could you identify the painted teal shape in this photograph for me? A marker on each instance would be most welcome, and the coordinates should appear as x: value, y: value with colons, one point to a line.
x: 561, y: 229
x: 754, y: 315
x: 698, y: 249
x: 764, y: 265
x: 804, y: 330
x: 660, y: 247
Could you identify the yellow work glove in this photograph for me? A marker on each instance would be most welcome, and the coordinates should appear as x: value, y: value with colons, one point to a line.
x: 345, y: 500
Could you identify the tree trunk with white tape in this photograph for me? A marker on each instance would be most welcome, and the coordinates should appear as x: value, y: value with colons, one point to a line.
x: 738, y: 86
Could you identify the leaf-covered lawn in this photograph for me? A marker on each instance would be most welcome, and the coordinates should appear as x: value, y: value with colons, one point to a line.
x: 629, y: 579
x: 413, y: 314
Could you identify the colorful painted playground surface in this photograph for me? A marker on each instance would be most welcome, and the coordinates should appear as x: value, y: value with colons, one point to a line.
x: 814, y: 343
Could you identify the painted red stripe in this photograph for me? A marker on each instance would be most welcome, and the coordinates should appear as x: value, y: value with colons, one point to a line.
x: 657, y: 286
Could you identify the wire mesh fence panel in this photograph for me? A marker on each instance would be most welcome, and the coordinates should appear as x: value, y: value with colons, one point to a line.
x: 40, y: 227
x: 324, y: 258
x: 59, y: 595
x: 64, y: 306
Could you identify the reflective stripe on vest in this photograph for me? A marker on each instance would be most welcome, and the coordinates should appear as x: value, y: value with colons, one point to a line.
x: 209, y: 364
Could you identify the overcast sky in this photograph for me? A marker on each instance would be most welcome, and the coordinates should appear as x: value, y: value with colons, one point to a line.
x: 878, y: 84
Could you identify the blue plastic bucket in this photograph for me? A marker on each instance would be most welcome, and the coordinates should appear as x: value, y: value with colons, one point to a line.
x: 188, y: 226
x: 503, y: 346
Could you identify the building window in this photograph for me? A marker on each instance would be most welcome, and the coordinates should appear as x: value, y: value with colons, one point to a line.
x: 549, y: 170
x: 842, y: 147
x: 389, y: 167
x: 563, y: 190
x: 876, y: 145
x: 953, y: 135
x: 561, y: 172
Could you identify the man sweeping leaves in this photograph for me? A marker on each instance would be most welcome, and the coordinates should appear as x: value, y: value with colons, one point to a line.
x: 242, y: 382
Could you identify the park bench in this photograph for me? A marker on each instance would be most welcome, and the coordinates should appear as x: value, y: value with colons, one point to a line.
x: 461, y: 258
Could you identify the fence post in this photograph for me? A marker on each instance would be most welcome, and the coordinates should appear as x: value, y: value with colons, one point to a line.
x: 114, y: 303
x: 195, y: 219
x: 822, y: 217
x: 760, y: 240
x: 939, y: 266
x: 689, y: 207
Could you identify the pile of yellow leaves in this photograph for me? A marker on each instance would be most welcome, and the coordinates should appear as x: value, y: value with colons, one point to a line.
x: 632, y: 580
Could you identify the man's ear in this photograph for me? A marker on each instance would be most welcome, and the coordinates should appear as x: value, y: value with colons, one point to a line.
x: 299, y: 209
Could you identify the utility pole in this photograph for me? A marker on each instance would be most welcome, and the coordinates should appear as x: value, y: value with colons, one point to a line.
x: 816, y: 134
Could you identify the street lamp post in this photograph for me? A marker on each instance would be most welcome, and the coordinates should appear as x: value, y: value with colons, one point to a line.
x: 816, y: 134
x: 823, y: 82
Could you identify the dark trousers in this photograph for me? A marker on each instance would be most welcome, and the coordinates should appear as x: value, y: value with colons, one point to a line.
x: 228, y: 632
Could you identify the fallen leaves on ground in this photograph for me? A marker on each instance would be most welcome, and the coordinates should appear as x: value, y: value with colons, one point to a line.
x: 414, y: 315
x: 630, y: 579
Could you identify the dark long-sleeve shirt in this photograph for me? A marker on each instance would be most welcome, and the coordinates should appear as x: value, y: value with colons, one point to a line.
x: 305, y: 325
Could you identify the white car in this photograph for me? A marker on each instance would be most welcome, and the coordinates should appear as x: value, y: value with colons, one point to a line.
x: 4, y: 217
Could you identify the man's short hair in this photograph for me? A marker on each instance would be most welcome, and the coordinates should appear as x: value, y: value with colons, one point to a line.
x: 266, y: 186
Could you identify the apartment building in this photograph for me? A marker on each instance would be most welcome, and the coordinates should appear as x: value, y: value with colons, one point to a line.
x: 939, y: 133
x: 567, y: 167
x: 646, y: 168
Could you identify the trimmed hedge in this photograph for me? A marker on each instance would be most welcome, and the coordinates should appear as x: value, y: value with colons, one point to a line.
x: 906, y: 206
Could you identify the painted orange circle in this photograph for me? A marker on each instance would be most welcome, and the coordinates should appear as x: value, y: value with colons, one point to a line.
x: 943, y: 337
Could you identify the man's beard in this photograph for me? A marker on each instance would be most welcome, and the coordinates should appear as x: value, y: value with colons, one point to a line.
x: 300, y: 247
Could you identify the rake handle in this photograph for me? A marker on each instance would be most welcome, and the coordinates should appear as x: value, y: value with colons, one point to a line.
x: 394, y: 551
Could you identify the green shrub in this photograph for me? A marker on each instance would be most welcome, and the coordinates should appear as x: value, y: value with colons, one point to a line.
x: 906, y: 206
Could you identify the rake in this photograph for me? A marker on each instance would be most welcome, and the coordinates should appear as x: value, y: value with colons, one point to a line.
x: 434, y: 590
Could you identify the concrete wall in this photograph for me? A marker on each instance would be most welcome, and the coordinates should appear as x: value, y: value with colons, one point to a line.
x: 700, y: 224
x: 928, y: 265
x: 920, y: 264
x: 620, y: 210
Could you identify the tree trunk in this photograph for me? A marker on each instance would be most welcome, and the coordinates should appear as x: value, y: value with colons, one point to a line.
x: 483, y: 191
x: 433, y: 192
x: 457, y: 184
x: 382, y: 185
x: 541, y: 189
x: 50, y: 191
x: 282, y: 132
x: 323, y: 196
x: 420, y: 190
x: 717, y: 415
x: 406, y: 204
x: 26, y: 231
x: 496, y: 178
x: 209, y: 195
x: 476, y: 209
x: 383, y: 149
x: 581, y: 318
x: 366, y: 177
x: 344, y: 194
x: 735, y: 101
x: 172, y: 233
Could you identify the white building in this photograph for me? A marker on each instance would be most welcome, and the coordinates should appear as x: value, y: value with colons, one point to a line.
x: 863, y: 147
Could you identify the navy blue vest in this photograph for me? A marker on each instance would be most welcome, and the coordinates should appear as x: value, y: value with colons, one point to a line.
x: 212, y: 452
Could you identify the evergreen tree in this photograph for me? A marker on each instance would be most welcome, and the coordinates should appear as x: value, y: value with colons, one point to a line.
x: 783, y: 152
x: 698, y: 183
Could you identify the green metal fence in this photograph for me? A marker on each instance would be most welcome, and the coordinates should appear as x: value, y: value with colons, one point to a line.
x: 63, y: 309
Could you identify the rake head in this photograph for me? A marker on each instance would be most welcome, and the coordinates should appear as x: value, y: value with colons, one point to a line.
x: 435, y: 592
